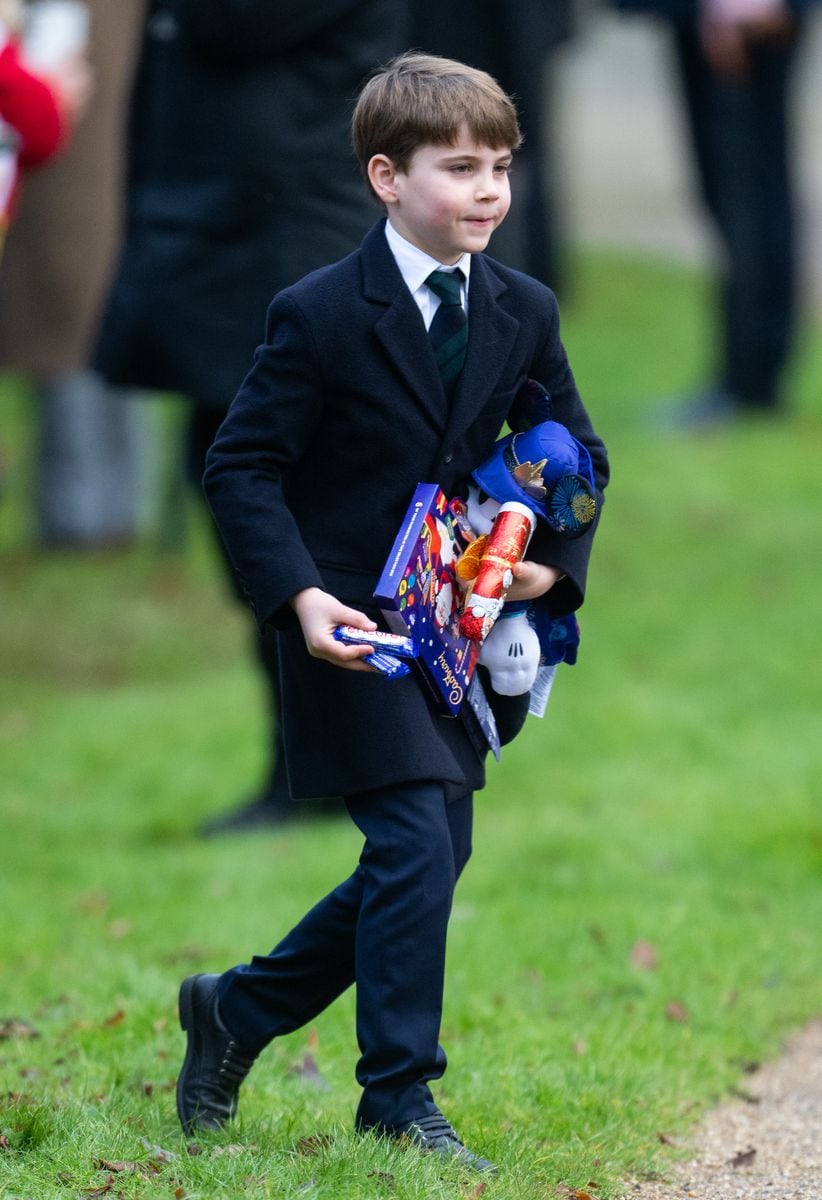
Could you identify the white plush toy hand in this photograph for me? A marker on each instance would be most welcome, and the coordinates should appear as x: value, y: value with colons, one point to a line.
x: 511, y: 654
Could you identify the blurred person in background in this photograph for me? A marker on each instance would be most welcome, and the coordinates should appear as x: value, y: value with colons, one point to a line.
x: 32, y: 117
x: 241, y: 181
x: 53, y: 282
x: 514, y: 42
x: 735, y: 59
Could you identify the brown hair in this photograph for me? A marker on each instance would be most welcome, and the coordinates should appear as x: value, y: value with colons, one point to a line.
x: 421, y: 99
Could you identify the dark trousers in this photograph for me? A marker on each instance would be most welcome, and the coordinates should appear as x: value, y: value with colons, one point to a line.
x: 385, y: 929
x: 741, y: 137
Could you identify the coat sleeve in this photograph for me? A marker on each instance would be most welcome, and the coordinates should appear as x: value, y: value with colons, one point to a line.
x: 552, y: 369
x: 263, y: 436
x: 255, y: 30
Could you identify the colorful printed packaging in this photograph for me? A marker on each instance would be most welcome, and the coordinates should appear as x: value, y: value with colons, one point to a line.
x: 419, y: 595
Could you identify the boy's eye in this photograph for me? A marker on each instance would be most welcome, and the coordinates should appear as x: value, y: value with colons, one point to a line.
x: 460, y: 168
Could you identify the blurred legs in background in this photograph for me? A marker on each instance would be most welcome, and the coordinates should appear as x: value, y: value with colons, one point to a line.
x: 740, y: 131
x: 89, y: 460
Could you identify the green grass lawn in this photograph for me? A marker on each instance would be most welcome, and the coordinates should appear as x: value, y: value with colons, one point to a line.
x: 640, y: 920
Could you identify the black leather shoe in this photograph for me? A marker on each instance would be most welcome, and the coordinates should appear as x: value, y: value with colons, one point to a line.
x: 215, y: 1063
x: 435, y: 1135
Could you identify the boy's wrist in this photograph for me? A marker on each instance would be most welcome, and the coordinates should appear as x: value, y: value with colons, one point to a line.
x: 299, y: 599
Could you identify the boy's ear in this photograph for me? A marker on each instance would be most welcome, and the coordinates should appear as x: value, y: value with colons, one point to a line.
x: 382, y: 175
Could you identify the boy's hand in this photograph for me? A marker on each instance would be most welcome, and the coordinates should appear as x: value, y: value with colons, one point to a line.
x: 319, y: 613
x: 532, y: 579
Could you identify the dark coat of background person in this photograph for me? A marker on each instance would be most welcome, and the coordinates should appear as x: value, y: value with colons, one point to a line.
x: 740, y: 129
x: 514, y: 41
x: 241, y: 180
x: 310, y: 475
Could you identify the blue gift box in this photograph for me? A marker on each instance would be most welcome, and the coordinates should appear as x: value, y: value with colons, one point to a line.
x: 419, y: 595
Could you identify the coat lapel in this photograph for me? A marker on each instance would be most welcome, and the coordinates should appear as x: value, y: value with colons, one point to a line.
x: 491, y: 335
x: 401, y: 331
x: 400, y: 327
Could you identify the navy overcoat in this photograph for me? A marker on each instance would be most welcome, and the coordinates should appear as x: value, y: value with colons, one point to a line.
x: 340, y: 416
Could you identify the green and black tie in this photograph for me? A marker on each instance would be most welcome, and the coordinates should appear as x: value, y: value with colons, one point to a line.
x: 449, y: 329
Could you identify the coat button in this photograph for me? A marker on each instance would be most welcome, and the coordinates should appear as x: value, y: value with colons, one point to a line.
x: 447, y: 458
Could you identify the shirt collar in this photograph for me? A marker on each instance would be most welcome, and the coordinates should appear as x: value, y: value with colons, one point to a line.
x: 415, y: 265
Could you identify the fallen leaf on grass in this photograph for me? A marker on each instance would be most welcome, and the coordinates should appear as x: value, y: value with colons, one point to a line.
x: 476, y: 1191
x: 93, y: 903
x: 180, y: 1193
x: 383, y: 1177
x: 743, y: 1158
x: 13, y: 1027
x: 116, y: 1018
x: 101, y: 1189
x: 313, y: 1144
x: 667, y: 1139
x: 157, y: 1153
x: 644, y: 957
x: 579, y: 1047
x: 5, y: 1144
x: 116, y: 1168
x: 232, y: 1150
x: 676, y: 1011
x: 147, y: 1087
x: 309, y: 1072
x: 597, y: 934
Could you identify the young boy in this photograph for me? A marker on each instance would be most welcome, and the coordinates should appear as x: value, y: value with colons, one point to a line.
x: 344, y: 411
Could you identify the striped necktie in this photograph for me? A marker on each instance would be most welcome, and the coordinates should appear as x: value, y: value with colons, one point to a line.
x: 449, y: 329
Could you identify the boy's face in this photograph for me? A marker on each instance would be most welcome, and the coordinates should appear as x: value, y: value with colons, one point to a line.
x: 451, y: 198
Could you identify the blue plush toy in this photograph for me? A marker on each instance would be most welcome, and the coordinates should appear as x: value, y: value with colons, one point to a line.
x: 548, y: 470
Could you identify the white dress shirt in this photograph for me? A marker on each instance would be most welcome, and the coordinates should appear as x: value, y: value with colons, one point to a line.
x: 415, y: 267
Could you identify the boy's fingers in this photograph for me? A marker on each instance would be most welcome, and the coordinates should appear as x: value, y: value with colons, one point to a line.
x: 352, y: 616
x: 348, y: 653
x: 358, y: 661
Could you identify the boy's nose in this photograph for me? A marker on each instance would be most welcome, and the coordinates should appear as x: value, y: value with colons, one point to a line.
x: 488, y: 185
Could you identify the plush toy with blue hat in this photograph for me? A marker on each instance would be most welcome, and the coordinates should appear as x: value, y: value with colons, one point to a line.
x: 547, y: 469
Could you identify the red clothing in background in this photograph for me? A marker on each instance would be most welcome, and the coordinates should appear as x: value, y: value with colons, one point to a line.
x: 31, y: 126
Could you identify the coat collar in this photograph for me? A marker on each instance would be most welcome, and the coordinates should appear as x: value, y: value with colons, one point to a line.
x: 401, y: 331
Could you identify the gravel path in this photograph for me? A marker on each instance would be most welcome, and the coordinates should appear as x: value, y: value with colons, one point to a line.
x: 764, y: 1145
